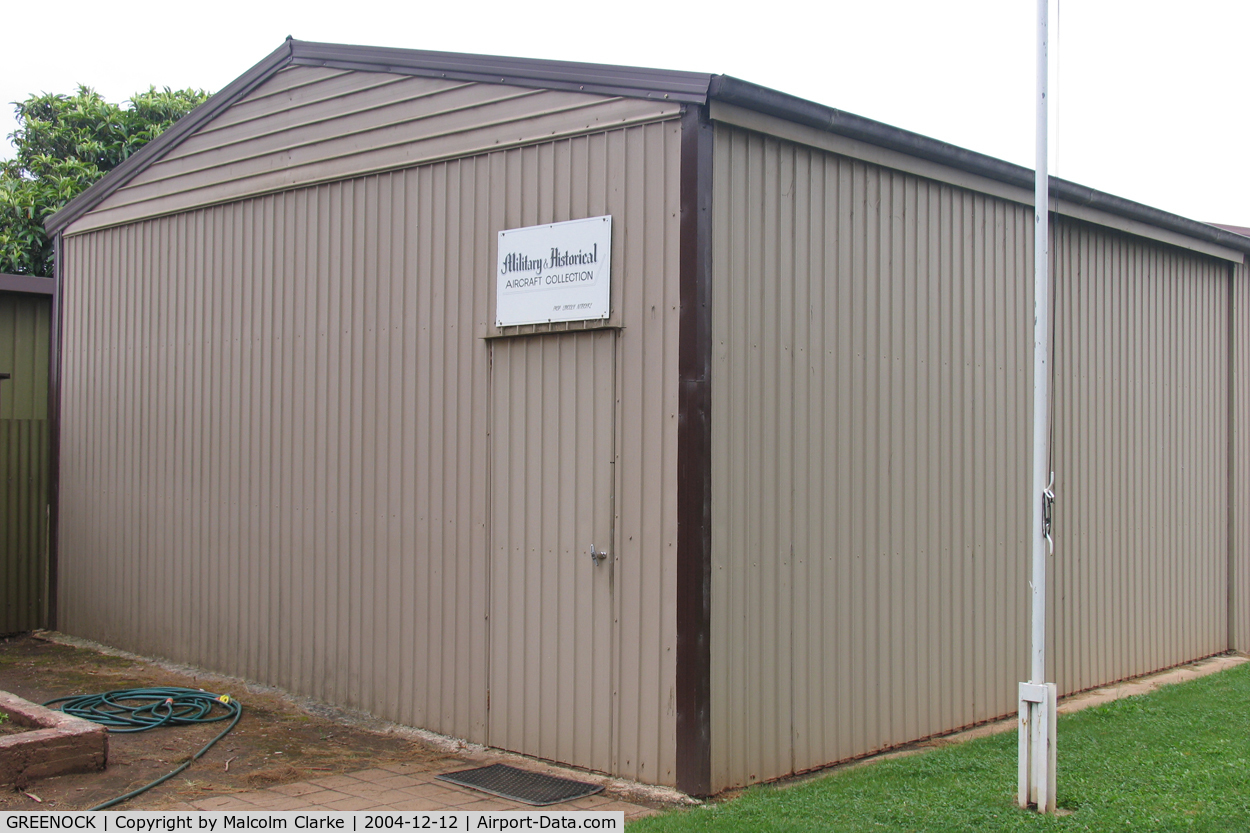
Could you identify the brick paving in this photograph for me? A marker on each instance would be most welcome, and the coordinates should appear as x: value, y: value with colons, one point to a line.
x: 396, y: 787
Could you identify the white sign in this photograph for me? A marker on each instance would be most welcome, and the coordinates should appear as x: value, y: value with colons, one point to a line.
x: 556, y: 272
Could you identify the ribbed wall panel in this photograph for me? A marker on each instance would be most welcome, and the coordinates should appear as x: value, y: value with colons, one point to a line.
x: 275, y: 440
x: 23, y: 524
x: 552, y: 448
x: 24, y: 465
x: 870, y: 419
x: 25, y: 322
x: 1141, y: 451
x: 308, y: 124
x: 871, y: 433
x: 1239, y: 563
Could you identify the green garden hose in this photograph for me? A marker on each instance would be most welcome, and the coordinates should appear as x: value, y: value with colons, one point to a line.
x: 140, y: 709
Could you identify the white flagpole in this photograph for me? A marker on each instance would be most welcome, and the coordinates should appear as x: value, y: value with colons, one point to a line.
x: 1037, y: 698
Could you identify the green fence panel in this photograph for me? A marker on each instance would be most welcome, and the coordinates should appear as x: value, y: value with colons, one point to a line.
x: 24, y: 461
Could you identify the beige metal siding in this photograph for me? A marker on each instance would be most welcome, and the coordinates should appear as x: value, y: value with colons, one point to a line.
x: 1141, y: 452
x: 872, y: 394
x: 309, y: 124
x: 275, y: 458
x: 897, y: 160
x: 24, y: 471
x: 870, y: 378
x: 553, y: 401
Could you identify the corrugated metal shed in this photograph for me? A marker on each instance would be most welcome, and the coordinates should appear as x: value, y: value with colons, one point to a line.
x: 800, y: 434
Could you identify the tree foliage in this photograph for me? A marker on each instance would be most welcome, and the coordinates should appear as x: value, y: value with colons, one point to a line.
x: 64, y: 144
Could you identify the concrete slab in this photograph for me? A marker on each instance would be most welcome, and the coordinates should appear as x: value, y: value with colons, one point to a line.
x: 414, y: 789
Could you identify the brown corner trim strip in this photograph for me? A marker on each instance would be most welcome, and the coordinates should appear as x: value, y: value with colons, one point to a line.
x: 694, y: 459
x: 1231, y: 384
x: 54, y: 442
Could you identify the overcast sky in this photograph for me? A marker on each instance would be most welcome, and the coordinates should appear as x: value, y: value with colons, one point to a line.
x: 1147, y: 96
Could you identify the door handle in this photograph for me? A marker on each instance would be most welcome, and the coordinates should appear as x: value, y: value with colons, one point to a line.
x: 597, y: 556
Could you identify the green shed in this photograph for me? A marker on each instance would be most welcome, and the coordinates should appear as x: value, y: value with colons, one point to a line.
x: 25, y: 432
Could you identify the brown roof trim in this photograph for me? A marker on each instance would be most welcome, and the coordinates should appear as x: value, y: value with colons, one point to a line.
x: 168, y: 140
x: 636, y: 82
x: 606, y: 79
x: 801, y: 111
x: 54, y: 444
x: 694, y: 459
x: 27, y: 284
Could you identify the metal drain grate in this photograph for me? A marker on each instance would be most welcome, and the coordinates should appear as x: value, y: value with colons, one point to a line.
x: 517, y: 784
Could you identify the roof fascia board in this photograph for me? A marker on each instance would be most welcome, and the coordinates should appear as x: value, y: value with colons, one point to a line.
x: 636, y: 82
x: 863, y: 151
x: 170, y: 139
x: 1128, y: 225
x: 519, y: 81
x: 1082, y: 196
x: 27, y: 284
x: 784, y: 106
x: 907, y: 163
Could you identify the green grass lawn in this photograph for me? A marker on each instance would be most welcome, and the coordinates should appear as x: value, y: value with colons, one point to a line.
x: 1175, y: 759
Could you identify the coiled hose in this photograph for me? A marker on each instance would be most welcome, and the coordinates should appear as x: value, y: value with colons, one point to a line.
x: 140, y: 709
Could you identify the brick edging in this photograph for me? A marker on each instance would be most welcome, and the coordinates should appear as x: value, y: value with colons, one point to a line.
x: 60, y: 743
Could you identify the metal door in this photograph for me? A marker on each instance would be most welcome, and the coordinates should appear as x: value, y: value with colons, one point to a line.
x: 553, y: 408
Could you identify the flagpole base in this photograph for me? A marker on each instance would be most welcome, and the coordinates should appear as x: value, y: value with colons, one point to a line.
x: 1036, y: 727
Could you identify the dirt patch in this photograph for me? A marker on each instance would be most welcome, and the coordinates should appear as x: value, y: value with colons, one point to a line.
x: 276, y: 742
x: 8, y: 727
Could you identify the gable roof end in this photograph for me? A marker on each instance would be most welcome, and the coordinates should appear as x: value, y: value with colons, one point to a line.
x: 170, y: 139
x: 601, y: 79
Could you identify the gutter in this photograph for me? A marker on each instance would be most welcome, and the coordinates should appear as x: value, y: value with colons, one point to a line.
x: 801, y: 111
